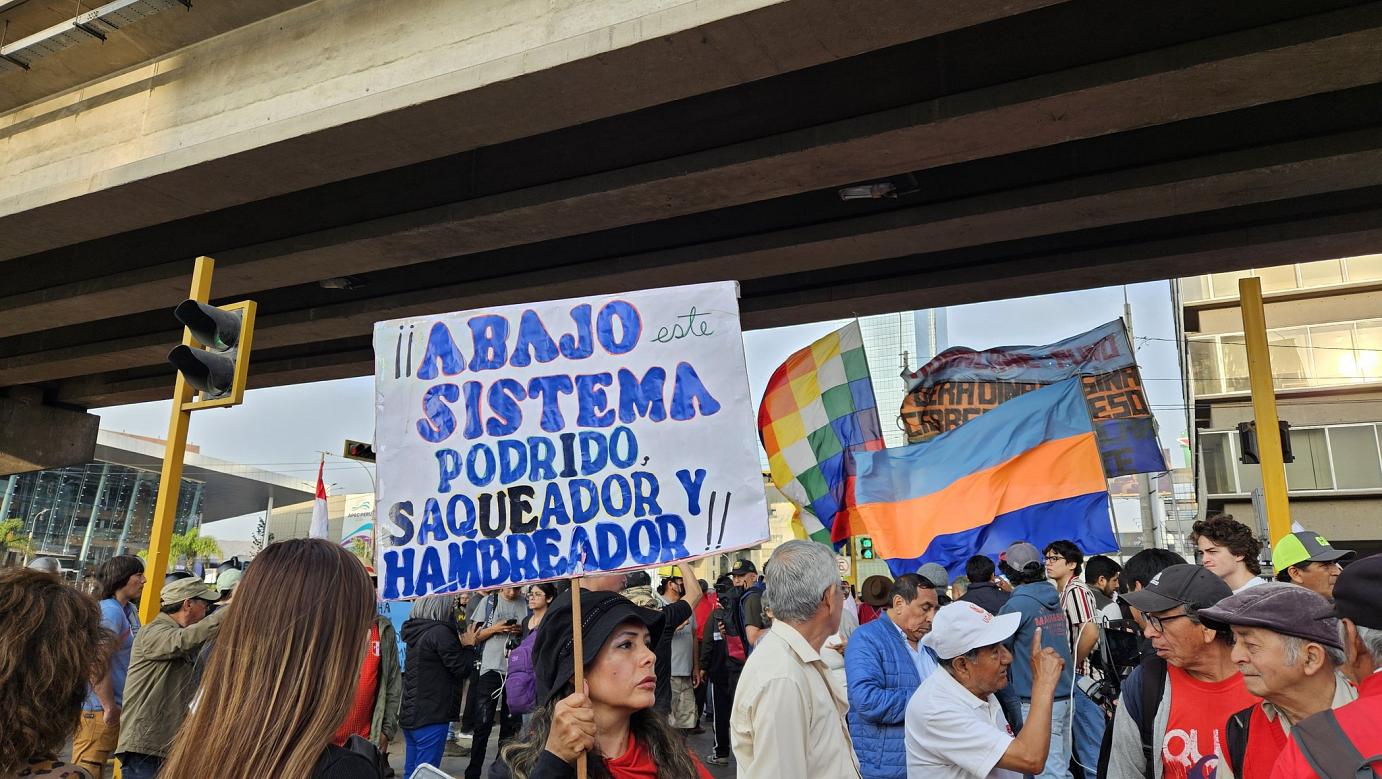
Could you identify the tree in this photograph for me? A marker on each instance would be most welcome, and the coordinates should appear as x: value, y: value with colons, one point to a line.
x: 13, y: 538
x: 188, y: 547
x: 192, y: 546
x: 360, y: 547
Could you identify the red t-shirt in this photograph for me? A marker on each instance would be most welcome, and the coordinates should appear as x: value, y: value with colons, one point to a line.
x: 1195, y: 729
x: 867, y: 614
x: 704, y: 606
x: 1361, y: 722
x: 637, y: 763
x: 357, y: 722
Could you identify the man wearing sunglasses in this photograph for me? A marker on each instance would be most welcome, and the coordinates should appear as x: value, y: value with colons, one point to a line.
x: 1173, y: 708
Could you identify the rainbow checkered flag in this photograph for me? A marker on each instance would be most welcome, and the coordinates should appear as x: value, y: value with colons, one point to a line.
x: 818, y: 407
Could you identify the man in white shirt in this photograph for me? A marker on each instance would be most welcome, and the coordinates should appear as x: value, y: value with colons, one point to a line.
x: 955, y: 726
x: 789, y: 713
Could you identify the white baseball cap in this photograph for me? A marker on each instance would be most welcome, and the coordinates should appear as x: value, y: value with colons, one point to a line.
x: 961, y: 626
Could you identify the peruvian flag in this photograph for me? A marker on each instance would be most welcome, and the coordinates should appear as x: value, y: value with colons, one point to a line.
x: 319, y: 516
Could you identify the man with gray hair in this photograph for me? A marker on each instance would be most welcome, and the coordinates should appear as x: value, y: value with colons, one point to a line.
x: 789, y: 713
x: 1347, y: 740
x: 1286, y: 645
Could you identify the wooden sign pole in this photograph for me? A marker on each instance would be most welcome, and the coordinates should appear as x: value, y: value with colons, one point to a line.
x: 578, y: 656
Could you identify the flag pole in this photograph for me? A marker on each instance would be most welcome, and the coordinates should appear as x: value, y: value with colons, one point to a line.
x: 578, y: 656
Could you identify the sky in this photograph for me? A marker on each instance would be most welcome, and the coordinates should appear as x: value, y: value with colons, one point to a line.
x: 285, y: 429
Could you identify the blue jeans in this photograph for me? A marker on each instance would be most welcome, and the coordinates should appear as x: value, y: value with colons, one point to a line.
x: 424, y: 745
x: 1058, y: 758
x: 134, y: 765
x: 1090, y: 723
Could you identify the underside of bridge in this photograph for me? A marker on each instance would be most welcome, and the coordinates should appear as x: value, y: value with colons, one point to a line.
x: 1031, y: 147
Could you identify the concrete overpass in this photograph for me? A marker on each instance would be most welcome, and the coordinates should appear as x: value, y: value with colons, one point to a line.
x: 347, y: 161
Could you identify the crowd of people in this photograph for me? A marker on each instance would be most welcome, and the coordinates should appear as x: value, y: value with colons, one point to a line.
x: 1042, y: 663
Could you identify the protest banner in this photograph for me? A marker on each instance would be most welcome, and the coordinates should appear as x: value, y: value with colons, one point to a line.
x: 960, y: 384
x: 533, y: 442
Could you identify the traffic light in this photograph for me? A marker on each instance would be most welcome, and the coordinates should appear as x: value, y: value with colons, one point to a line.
x: 1247, y: 442
x: 219, y: 368
x: 359, y: 450
x: 866, y: 548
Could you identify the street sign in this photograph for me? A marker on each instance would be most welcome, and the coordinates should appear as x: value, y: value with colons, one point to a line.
x: 843, y: 565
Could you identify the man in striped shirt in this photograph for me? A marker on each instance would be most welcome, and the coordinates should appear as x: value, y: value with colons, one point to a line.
x: 1064, y: 562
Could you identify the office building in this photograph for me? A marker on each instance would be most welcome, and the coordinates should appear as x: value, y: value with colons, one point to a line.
x: 1324, y: 323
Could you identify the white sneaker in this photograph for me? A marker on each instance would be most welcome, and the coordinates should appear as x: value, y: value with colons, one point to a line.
x: 463, y: 738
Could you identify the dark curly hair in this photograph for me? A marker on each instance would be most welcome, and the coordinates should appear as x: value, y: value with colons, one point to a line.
x: 1233, y: 535
x: 51, y: 645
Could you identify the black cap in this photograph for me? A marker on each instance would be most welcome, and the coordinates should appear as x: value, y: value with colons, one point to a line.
x: 743, y: 566
x: 1355, y: 593
x: 1179, y: 585
x: 601, y: 613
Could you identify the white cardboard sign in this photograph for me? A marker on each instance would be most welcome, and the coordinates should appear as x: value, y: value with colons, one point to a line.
x: 532, y: 442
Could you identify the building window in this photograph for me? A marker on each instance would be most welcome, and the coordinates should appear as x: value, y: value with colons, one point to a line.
x: 1218, y: 463
x: 1365, y: 268
x: 1310, y: 471
x: 1225, y: 285
x: 1281, y: 278
x: 1204, y: 366
x: 1335, y: 457
x: 1354, y: 450
x: 1192, y: 289
x: 1321, y: 274
x: 1326, y: 355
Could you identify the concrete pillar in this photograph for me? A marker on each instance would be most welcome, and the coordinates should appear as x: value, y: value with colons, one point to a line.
x: 38, y: 437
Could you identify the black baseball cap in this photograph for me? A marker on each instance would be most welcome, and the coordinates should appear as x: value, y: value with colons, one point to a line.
x: 743, y: 566
x: 1355, y: 593
x: 554, y: 647
x: 1179, y: 585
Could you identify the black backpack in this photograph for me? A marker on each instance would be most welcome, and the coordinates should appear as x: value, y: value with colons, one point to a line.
x: 1329, y: 751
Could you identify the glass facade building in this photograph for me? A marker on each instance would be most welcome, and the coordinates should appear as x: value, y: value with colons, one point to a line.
x: 85, y: 514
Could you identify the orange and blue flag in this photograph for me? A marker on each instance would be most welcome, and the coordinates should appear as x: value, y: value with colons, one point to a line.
x: 1027, y: 470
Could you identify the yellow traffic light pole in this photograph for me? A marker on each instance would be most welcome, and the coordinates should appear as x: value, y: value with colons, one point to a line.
x: 1264, y: 408
x: 170, y: 478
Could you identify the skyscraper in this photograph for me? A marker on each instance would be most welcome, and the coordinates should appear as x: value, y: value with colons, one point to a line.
x: 892, y: 342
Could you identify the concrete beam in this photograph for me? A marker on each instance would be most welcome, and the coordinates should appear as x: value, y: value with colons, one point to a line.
x: 1196, y: 79
x: 37, y: 436
x: 342, y: 88
x: 1280, y: 172
x: 919, y: 281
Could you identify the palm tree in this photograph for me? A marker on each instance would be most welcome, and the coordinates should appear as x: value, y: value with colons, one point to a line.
x: 12, y: 537
x: 360, y: 547
x: 193, y: 546
x: 188, y: 547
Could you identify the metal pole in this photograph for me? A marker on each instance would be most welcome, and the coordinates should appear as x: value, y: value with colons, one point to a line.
x: 170, y: 477
x: 1264, y: 408
x: 1144, y: 484
x: 129, y: 513
x: 91, y: 520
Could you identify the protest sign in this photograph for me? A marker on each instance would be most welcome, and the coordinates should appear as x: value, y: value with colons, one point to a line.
x: 533, y: 442
x: 960, y: 384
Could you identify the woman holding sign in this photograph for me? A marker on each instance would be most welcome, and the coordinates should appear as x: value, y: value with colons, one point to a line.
x: 612, y: 720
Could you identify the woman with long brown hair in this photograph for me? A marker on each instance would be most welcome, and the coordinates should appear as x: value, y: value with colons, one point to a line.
x: 51, y: 644
x: 283, y: 673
